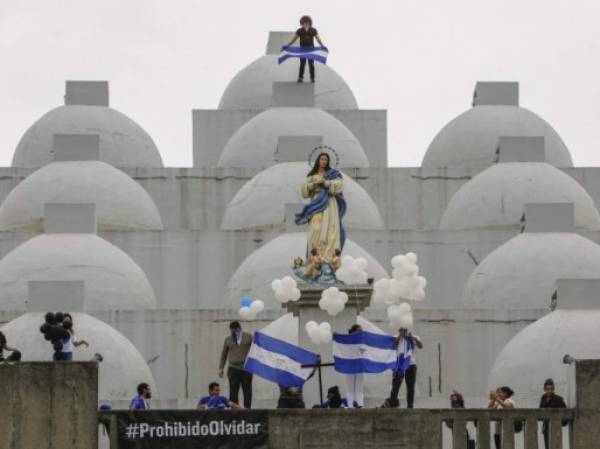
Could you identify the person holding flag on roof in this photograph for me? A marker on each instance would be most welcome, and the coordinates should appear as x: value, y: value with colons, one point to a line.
x: 406, y: 367
x: 307, y: 35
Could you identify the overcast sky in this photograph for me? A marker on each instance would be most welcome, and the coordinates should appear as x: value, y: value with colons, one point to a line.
x: 417, y: 59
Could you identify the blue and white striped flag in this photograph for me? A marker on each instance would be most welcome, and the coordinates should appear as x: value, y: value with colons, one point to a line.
x: 318, y: 54
x: 278, y: 361
x: 364, y: 352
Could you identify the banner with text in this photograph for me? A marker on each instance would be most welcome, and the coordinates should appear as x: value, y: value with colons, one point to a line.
x: 185, y: 429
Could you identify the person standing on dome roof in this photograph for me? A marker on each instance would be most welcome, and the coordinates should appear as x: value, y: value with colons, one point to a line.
x: 307, y: 35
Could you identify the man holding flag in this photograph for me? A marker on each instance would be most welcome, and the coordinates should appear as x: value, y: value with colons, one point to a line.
x: 307, y: 35
x: 366, y: 352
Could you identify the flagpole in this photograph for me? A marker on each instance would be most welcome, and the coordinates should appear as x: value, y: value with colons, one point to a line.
x: 320, y: 386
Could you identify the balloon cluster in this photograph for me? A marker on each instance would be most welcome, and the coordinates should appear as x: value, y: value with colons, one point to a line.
x: 400, y: 316
x: 286, y: 289
x: 333, y: 300
x: 250, y: 308
x: 406, y: 285
x: 319, y: 334
x: 55, y: 329
x: 353, y: 271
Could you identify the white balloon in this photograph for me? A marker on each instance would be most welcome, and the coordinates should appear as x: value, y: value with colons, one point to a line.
x: 325, y: 326
x: 246, y: 313
x: 347, y: 260
x: 311, y: 325
x: 406, y: 321
x: 362, y: 263
x: 288, y: 283
x: 276, y: 285
x: 398, y: 261
x: 257, y: 306
x: 411, y: 257
x: 295, y: 295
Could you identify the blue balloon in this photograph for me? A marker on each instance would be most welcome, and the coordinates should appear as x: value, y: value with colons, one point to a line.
x: 246, y: 301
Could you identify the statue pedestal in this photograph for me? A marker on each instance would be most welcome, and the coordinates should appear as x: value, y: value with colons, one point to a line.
x: 307, y: 309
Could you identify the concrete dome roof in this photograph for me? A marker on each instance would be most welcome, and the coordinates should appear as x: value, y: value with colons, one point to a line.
x: 123, y: 143
x: 520, y: 274
x: 252, y: 87
x: 273, y: 261
x: 470, y: 140
x: 113, y: 280
x: 496, y: 197
x: 254, y: 144
x: 121, y: 203
x: 538, y: 349
x: 261, y: 201
x: 122, y: 369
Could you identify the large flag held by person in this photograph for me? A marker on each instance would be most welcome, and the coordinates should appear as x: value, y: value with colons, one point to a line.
x: 318, y: 54
x: 279, y: 361
x: 364, y: 352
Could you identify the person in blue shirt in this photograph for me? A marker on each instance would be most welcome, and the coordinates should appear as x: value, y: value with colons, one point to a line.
x: 214, y: 400
x: 140, y: 402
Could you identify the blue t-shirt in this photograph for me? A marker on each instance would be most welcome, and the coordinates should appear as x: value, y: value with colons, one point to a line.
x: 139, y: 403
x: 211, y: 402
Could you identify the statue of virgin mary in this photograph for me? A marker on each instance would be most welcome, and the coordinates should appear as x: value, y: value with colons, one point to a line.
x: 324, y: 214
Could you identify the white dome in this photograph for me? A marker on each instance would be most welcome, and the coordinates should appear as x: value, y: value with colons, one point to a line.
x: 255, y: 142
x: 261, y: 201
x: 113, y: 280
x: 273, y: 261
x: 122, y: 369
x: 497, y: 196
x: 121, y: 203
x: 123, y: 143
x: 252, y: 87
x: 520, y: 274
x: 471, y: 139
x: 536, y: 353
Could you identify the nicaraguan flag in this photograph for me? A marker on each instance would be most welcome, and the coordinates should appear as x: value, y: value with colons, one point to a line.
x: 364, y: 352
x: 278, y: 361
x: 318, y: 54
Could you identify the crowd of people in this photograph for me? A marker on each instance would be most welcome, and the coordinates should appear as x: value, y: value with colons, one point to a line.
x: 236, y: 347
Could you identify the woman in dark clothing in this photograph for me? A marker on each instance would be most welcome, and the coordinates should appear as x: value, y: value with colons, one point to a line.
x: 550, y: 400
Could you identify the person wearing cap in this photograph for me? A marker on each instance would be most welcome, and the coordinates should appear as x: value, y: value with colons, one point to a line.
x: 550, y: 400
x: 307, y: 35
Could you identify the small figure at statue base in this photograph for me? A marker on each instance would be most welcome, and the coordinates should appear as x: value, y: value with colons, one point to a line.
x: 315, y: 271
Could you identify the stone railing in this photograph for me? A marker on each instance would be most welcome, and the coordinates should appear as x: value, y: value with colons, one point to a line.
x: 402, y: 429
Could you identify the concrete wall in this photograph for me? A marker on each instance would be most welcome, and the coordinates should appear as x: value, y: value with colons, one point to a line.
x: 212, y: 128
x: 182, y: 349
x: 407, y: 197
x: 48, y: 405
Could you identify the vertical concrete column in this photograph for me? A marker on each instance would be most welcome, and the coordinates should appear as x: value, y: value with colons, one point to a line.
x: 49, y: 405
x: 307, y: 309
x: 87, y: 93
x: 586, y: 426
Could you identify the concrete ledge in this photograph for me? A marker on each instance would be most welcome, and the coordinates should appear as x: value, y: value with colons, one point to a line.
x: 49, y: 405
x: 380, y: 428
